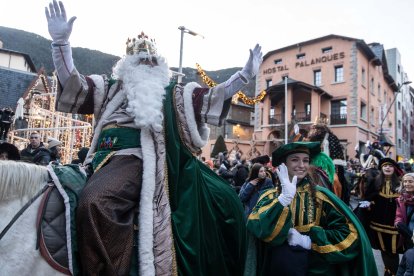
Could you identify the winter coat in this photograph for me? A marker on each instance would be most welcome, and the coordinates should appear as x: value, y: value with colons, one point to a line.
x: 249, y: 193
x: 40, y: 155
x: 406, y: 267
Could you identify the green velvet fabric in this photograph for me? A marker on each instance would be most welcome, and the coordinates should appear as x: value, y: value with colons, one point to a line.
x: 364, y: 263
x: 207, y: 216
x: 73, y: 181
x: 113, y: 139
x: 270, y: 222
x: 325, y: 163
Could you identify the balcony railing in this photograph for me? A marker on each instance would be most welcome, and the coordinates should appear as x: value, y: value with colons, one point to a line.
x: 301, y: 117
x: 338, y: 119
x: 276, y: 119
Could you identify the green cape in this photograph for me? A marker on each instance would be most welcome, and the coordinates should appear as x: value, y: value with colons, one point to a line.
x: 207, y: 215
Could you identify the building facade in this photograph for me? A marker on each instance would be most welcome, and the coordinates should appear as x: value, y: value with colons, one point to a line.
x: 342, y: 80
x: 403, y: 105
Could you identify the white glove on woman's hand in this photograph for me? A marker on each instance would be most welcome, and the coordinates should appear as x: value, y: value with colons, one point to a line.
x: 59, y: 27
x: 364, y: 204
x: 252, y: 66
x: 296, y: 238
x: 288, y: 187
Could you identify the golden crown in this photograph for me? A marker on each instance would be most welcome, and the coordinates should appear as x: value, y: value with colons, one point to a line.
x: 142, y: 43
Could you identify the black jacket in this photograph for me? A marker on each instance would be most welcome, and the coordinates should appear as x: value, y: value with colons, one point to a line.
x: 40, y: 156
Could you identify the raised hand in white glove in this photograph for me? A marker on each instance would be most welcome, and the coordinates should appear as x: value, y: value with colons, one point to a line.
x: 252, y: 66
x: 288, y: 187
x: 59, y: 27
x: 296, y: 238
x: 364, y: 204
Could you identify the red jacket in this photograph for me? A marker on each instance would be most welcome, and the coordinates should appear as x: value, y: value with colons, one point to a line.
x: 401, y: 212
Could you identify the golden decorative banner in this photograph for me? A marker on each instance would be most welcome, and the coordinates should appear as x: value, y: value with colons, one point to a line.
x: 238, y: 96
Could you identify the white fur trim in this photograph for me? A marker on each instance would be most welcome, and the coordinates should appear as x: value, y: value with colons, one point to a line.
x: 146, y: 219
x: 200, y: 137
x: 116, y: 102
x: 67, y: 214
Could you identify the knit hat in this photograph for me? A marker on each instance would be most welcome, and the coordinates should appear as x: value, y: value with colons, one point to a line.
x: 52, y: 142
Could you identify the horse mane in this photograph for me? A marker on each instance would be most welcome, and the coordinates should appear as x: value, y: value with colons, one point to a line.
x: 19, y: 179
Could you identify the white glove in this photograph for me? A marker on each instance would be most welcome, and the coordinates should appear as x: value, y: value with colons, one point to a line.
x: 240, y: 79
x: 59, y: 27
x: 288, y: 187
x: 296, y: 238
x: 252, y: 66
x: 364, y: 204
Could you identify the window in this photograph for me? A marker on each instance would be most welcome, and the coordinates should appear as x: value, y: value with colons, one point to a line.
x: 272, y: 111
x: 398, y: 68
x: 317, y: 77
x: 326, y: 50
x: 363, y: 76
x: 399, y: 124
x: 399, y: 105
x: 379, y: 91
x: 363, y: 111
x: 339, y: 73
x: 300, y: 56
x: 399, y: 143
x: 278, y: 61
x: 371, y: 86
x: 338, y: 112
x: 268, y: 83
x: 307, y: 108
x: 371, y: 116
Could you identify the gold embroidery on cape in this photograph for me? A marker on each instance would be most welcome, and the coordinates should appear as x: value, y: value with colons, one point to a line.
x: 103, y: 162
x: 305, y: 228
x: 329, y: 248
x: 279, y: 225
x: 293, y: 210
x: 266, y: 193
x: 301, y: 208
x: 263, y: 209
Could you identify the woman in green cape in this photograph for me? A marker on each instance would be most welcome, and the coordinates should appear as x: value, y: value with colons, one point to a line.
x: 304, y: 228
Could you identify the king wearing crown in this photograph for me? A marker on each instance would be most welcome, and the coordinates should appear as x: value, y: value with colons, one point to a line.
x: 189, y: 222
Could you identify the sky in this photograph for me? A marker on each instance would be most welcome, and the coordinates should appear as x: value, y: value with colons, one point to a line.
x: 229, y: 27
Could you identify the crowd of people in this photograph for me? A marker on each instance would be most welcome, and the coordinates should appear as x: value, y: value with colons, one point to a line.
x: 284, y: 214
x: 383, y: 219
x: 38, y: 152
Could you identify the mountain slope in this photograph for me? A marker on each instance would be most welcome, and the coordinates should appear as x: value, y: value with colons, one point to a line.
x: 88, y: 61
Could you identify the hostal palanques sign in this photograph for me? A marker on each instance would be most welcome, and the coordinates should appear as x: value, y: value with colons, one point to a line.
x: 305, y: 63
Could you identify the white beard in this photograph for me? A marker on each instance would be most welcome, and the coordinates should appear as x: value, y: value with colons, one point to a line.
x: 144, y: 87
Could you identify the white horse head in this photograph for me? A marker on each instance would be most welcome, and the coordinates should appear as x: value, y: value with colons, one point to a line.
x: 19, y: 182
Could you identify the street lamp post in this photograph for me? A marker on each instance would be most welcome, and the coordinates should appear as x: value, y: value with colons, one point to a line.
x: 381, y: 134
x: 180, y: 68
